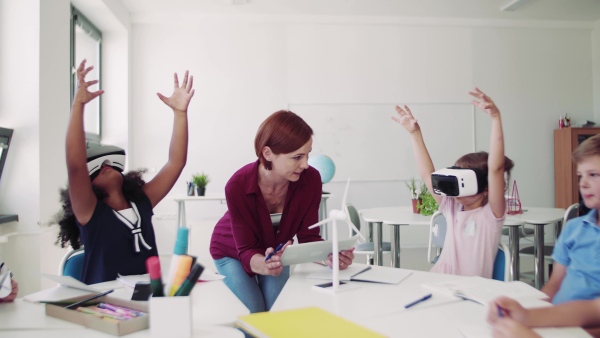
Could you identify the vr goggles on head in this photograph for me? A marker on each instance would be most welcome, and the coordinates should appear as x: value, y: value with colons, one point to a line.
x: 109, y: 155
x: 456, y: 181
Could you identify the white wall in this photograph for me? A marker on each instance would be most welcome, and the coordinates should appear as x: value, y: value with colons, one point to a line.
x: 246, y: 70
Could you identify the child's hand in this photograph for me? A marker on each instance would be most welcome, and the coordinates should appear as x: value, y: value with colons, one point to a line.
x: 508, y: 328
x: 485, y: 103
x: 13, y: 294
x: 83, y: 95
x: 510, y: 309
x: 406, y: 119
x: 180, y: 99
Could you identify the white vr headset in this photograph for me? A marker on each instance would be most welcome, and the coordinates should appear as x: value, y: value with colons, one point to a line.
x: 456, y: 181
x: 109, y: 155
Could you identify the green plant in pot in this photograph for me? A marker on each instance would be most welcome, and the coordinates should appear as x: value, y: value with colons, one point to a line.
x: 200, y: 181
x: 427, y: 206
x: 417, y: 189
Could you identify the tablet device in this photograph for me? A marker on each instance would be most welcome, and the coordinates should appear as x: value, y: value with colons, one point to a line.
x: 313, y: 251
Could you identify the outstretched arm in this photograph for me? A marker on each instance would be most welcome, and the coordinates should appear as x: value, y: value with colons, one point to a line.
x: 424, y: 163
x: 179, y: 101
x: 496, y: 156
x: 82, y: 196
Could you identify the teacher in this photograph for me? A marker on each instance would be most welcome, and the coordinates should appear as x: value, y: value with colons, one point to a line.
x: 279, y: 182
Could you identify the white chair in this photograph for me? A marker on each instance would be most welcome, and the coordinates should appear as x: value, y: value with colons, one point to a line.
x: 366, y: 248
x: 437, y: 235
x: 502, y: 261
x: 571, y: 212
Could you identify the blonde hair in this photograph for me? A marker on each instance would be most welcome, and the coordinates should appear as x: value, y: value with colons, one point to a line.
x: 587, y: 149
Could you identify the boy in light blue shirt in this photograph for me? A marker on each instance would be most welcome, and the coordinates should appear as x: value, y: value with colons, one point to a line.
x: 576, y: 272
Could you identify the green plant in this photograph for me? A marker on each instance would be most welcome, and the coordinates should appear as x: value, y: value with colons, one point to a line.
x: 428, y: 205
x: 416, y: 189
x: 201, y: 180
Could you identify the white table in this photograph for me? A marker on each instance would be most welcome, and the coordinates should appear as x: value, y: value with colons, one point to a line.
x: 395, y: 217
x: 403, y: 216
x: 380, y: 307
x: 214, y: 311
x: 181, y: 200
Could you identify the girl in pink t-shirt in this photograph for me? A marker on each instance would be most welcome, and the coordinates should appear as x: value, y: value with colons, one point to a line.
x: 474, y: 222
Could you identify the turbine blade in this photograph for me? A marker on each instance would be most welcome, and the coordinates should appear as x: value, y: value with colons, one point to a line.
x: 320, y: 223
x: 356, y: 230
x: 345, y: 194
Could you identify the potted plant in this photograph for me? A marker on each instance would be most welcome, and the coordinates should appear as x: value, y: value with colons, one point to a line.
x: 427, y: 204
x: 417, y: 189
x: 200, y: 181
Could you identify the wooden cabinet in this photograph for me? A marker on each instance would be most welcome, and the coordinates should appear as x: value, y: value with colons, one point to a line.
x: 566, y: 190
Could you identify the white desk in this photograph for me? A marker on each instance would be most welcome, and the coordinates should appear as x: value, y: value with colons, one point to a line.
x: 395, y: 217
x: 403, y: 216
x: 214, y: 311
x: 181, y: 219
x: 380, y: 307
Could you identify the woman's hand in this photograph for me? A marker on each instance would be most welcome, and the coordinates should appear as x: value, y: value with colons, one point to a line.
x: 180, y: 99
x: 83, y: 95
x: 346, y: 257
x: 406, y: 119
x: 13, y: 294
x: 273, y: 264
x: 485, y: 103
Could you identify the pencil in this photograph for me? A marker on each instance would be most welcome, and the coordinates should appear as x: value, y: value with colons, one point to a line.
x: 88, y: 299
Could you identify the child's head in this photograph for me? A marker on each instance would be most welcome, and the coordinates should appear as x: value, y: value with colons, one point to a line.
x: 587, y: 158
x: 479, y: 160
x: 105, y: 165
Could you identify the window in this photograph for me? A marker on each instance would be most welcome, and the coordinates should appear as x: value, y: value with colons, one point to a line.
x: 5, y: 136
x: 86, y: 43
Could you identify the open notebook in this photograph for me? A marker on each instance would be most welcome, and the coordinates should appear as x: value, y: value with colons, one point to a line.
x: 483, y: 290
x: 363, y: 273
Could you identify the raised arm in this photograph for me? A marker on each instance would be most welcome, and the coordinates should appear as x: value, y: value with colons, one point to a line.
x: 496, y: 156
x: 179, y: 101
x: 424, y: 163
x: 82, y: 196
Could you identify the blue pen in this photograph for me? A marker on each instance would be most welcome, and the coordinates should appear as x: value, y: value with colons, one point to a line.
x: 424, y: 298
x: 274, y: 252
x: 500, y: 314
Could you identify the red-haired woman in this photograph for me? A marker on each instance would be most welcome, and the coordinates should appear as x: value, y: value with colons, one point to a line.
x: 279, y: 182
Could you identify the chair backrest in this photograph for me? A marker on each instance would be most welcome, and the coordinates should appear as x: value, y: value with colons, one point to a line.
x: 502, y: 264
x: 354, y: 218
x: 572, y: 212
x: 437, y: 232
x: 72, y: 264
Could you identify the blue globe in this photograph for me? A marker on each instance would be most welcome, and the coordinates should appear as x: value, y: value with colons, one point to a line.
x: 323, y: 164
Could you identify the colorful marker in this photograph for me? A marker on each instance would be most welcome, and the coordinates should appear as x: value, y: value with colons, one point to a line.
x: 190, y: 281
x: 153, y: 267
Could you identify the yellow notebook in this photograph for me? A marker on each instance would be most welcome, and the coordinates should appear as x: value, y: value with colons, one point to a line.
x: 311, y: 322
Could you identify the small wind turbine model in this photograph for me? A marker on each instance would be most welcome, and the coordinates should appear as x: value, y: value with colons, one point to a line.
x: 338, y: 215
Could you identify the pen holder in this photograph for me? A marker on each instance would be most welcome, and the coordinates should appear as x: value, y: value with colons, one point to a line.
x: 171, y: 317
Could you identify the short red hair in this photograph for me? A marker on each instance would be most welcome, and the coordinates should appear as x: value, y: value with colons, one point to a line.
x: 283, y: 132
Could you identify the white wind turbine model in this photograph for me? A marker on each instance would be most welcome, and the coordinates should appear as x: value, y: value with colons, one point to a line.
x: 338, y: 215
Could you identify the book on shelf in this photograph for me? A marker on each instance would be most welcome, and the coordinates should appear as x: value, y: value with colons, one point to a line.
x: 483, y: 290
x: 311, y: 322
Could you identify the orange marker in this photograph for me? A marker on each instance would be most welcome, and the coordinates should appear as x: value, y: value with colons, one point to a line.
x: 183, y: 270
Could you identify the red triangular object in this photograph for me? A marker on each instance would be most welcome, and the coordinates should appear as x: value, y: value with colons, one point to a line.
x: 513, y: 203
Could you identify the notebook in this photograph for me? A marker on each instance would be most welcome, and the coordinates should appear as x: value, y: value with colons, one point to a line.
x: 364, y: 273
x: 483, y: 290
x: 311, y: 322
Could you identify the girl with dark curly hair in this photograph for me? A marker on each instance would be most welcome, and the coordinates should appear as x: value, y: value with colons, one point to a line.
x: 107, y: 212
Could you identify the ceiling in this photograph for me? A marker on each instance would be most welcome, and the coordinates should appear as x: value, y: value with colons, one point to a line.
x: 557, y: 10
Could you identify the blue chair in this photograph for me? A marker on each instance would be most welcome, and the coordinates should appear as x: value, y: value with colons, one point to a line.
x: 501, y: 270
x: 72, y: 264
x: 437, y: 235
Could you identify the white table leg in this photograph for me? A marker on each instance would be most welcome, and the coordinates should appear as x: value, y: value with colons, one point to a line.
x: 538, y: 234
x: 395, y: 245
x: 181, y: 222
x: 377, y: 244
